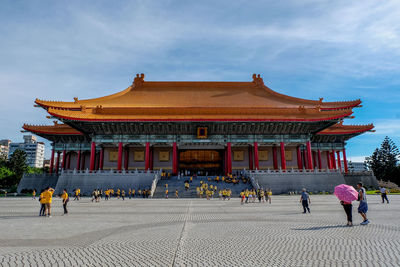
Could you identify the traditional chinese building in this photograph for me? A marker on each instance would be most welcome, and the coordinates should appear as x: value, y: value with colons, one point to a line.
x: 214, y: 127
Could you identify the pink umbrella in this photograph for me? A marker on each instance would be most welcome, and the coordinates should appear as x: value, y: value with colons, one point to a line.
x: 346, y: 193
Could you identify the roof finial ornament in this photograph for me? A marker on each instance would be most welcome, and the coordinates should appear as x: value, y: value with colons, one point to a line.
x: 75, y: 99
x: 55, y: 123
x: 139, y: 80
x: 257, y: 80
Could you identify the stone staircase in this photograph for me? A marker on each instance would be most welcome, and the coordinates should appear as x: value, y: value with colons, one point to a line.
x: 175, y: 183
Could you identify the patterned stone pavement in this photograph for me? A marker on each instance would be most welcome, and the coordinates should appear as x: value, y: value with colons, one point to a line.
x: 197, y: 232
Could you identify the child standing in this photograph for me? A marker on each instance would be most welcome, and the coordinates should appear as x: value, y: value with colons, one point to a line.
x: 65, y: 200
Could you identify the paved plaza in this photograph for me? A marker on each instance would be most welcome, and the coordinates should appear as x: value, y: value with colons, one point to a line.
x: 197, y: 232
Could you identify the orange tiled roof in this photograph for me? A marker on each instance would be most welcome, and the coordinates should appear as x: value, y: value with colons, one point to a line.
x: 56, y: 129
x: 339, y: 128
x: 198, y: 100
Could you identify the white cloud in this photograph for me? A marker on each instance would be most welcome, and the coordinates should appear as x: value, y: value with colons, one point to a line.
x: 389, y: 127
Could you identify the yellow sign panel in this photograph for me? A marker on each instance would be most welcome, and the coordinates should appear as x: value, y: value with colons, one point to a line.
x: 238, y: 155
x: 163, y: 155
x: 288, y: 155
x: 138, y: 155
x: 263, y: 155
x: 113, y: 155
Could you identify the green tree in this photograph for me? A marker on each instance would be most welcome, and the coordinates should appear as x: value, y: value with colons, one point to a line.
x: 383, y: 162
x: 33, y: 170
x: 17, y: 164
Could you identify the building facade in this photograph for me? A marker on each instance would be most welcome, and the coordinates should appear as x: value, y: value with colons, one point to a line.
x: 4, y: 148
x: 34, y: 150
x: 198, y: 127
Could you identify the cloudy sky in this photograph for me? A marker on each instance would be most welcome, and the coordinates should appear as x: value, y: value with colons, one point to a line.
x: 339, y: 50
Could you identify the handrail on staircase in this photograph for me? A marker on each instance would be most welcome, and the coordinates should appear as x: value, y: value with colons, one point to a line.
x: 154, y: 183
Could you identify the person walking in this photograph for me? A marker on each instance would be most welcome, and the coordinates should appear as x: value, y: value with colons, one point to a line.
x: 384, y: 193
x: 363, y: 207
x: 305, y: 200
x: 348, y: 209
x: 65, y: 200
x: 34, y: 194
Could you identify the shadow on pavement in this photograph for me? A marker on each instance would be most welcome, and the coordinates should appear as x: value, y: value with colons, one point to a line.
x: 320, y: 227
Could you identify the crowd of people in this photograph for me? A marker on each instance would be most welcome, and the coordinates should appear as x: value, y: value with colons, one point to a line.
x: 250, y: 195
x: 206, y: 190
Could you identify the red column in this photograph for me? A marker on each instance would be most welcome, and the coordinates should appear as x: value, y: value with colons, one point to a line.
x: 328, y: 160
x: 120, y: 149
x: 51, y: 162
x: 283, y: 158
x: 256, y: 160
x: 333, y: 159
x: 250, y: 158
x: 69, y: 160
x: 174, y: 159
x: 97, y: 161
x: 346, y: 170
x: 64, y: 159
x: 299, y: 159
x: 309, y: 157
x: 225, y: 162
x: 314, y: 157
x: 58, y: 161
x: 147, y: 157
x: 319, y: 159
x: 101, y: 158
x: 151, y: 158
x: 339, y: 164
x: 275, y: 157
x: 126, y: 158
x: 305, y: 159
x: 229, y: 154
x: 83, y: 161
x: 78, y: 161
x: 92, y: 156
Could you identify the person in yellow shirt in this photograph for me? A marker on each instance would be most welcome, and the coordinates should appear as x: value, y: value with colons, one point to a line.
x: 269, y: 195
x: 118, y: 193
x: 166, y: 193
x: 107, y: 193
x: 242, y: 197
x: 176, y: 193
x: 48, y: 198
x: 34, y: 194
x: 65, y: 200
x: 133, y: 193
x: 76, y: 194
x: 130, y: 193
x: 123, y: 194
x: 42, y: 204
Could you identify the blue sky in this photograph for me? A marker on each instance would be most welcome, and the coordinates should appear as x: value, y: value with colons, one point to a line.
x: 339, y: 50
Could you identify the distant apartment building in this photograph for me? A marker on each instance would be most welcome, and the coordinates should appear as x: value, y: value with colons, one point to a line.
x: 356, y: 166
x: 4, y: 148
x: 34, y: 150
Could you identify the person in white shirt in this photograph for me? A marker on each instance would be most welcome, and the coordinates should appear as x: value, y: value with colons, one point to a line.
x: 384, y: 193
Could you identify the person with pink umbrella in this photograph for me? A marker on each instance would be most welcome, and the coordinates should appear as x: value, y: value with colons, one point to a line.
x: 346, y: 194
